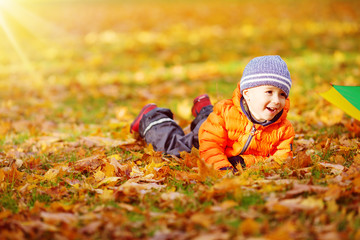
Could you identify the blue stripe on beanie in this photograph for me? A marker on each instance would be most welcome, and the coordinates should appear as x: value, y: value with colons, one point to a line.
x: 266, y: 70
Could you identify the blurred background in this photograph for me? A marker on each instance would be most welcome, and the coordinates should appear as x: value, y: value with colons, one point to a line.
x: 88, y: 66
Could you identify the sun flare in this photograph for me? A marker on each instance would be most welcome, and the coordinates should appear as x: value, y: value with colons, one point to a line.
x: 29, y: 28
x: 5, y: 3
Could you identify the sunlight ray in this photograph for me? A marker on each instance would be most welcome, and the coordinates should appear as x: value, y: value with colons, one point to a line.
x: 14, y: 43
x: 33, y: 23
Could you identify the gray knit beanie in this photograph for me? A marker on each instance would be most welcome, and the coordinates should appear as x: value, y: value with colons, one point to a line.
x: 266, y: 70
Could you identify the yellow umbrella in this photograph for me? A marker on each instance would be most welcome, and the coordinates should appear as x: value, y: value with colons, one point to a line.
x: 346, y: 98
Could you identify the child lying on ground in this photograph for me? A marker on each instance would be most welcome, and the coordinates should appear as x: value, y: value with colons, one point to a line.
x: 250, y: 127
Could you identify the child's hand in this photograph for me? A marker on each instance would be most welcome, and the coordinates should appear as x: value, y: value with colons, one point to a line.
x: 239, y: 168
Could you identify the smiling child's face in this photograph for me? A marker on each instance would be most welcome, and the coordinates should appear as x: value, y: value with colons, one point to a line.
x: 264, y: 102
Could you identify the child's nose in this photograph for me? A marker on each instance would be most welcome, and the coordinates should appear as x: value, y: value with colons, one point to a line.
x: 276, y: 99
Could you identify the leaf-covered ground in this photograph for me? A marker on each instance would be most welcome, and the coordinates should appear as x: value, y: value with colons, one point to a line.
x: 74, y: 74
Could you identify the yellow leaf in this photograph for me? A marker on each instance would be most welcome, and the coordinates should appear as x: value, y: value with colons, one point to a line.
x: 332, y: 206
x: 135, y: 172
x: 184, y: 109
x: 109, y: 170
x: 312, y: 203
x: 149, y: 149
x: 99, y: 175
x: 153, y: 167
x: 51, y: 174
x: 122, y: 114
x: 117, y: 157
x: 339, y: 56
x: 107, y: 195
x: 60, y: 207
x: 108, y: 180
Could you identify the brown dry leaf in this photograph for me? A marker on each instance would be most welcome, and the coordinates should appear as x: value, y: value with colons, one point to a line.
x: 91, y: 228
x: 327, y: 232
x: 339, y: 159
x: 81, y: 153
x: 190, y: 159
x: 171, y: 196
x: 353, y: 127
x: 60, y: 207
x: 333, y: 193
x: 11, y: 174
x: 228, y: 204
x: 249, y: 227
x: 5, y: 214
x: 156, y: 157
x: 283, y: 232
x: 89, y: 164
x: 131, y: 189
x: 280, y: 209
x: 353, y: 171
x: 357, y: 235
x: 357, y: 159
x: 151, y: 155
x: 301, y: 160
x: 59, y: 217
x: 47, y: 141
x: 301, y: 188
x: 284, y: 206
x: 95, y: 141
x: 336, y: 169
x: 206, y: 171
x: 217, y: 235
x: 202, y: 219
x: 186, y: 176
x: 356, y: 184
x: 2, y: 175
x: 37, y: 226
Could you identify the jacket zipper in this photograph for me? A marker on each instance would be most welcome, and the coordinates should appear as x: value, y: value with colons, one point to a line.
x: 247, y: 143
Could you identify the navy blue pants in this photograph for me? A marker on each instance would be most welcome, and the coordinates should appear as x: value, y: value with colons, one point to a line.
x: 158, y: 128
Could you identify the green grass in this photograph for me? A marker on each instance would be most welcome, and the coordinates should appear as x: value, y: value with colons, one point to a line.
x: 8, y: 201
x: 40, y: 197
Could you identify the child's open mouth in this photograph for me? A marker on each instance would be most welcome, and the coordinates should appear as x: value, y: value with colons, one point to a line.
x: 272, y: 110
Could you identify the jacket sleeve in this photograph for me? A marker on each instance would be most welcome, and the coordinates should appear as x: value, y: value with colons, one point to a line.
x: 280, y: 152
x: 213, y: 140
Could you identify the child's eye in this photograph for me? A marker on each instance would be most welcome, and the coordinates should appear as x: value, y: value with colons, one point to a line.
x: 283, y: 95
x: 269, y: 92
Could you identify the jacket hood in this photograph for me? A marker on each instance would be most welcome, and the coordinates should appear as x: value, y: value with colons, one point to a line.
x: 236, y: 101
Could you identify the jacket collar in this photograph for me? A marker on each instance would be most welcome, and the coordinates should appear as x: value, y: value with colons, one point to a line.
x: 237, y: 101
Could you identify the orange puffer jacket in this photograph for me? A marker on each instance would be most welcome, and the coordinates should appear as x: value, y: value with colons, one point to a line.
x: 227, y: 129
